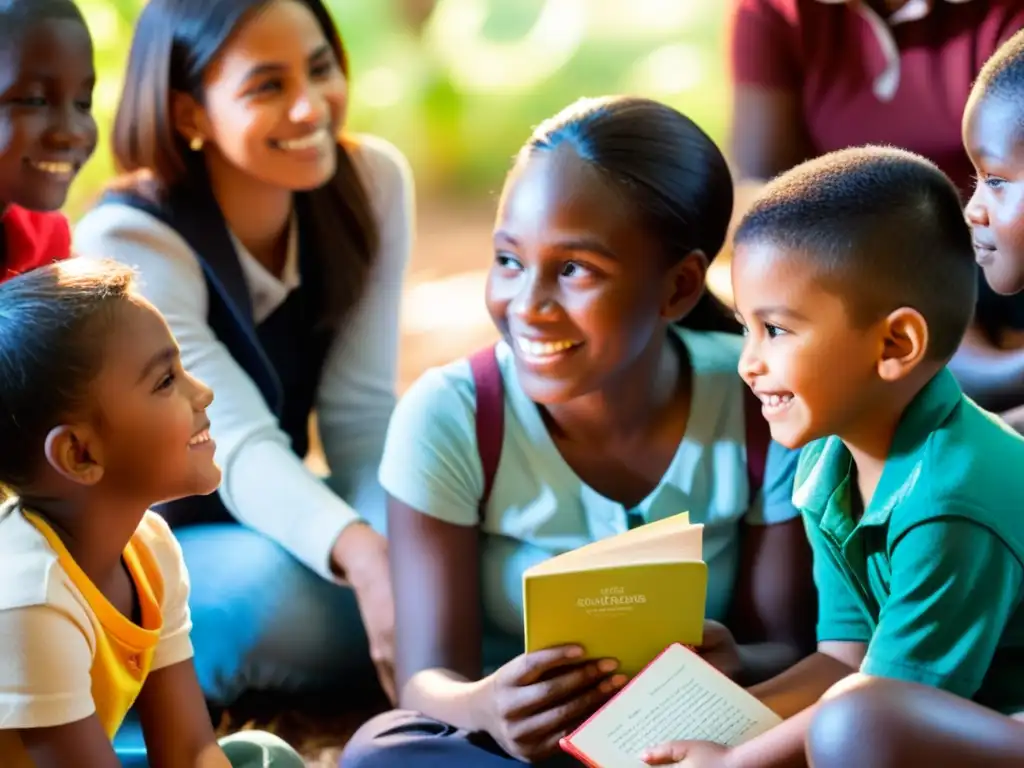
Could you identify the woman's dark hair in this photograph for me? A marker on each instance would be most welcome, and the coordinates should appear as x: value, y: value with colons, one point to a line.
x: 52, y: 322
x: 174, y: 43
x: 669, y: 169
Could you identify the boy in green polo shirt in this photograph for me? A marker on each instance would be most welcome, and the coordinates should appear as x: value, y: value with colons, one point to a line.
x: 854, y: 275
x: 914, y: 724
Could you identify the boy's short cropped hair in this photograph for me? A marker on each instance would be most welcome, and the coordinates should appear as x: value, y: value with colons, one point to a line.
x: 1003, y: 74
x: 884, y: 228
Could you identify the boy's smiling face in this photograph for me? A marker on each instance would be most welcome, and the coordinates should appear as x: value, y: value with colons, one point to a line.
x: 47, y: 132
x: 995, y: 143
x: 812, y: 367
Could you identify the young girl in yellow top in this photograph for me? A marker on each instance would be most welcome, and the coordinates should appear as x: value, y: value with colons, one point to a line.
x: 98, y: 421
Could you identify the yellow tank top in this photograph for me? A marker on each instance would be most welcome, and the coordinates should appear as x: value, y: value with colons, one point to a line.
x: 124, y: 650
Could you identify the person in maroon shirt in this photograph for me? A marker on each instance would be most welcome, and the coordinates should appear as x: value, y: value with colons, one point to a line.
x: 812, y: 76
x: 47, y: 131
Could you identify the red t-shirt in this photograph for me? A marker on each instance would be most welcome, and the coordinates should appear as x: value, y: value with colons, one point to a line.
x: 864, y: 80
x: 32, y: 239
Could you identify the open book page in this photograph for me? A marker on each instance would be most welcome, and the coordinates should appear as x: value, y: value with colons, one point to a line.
x: 673, y: 539
x: 678, y: 696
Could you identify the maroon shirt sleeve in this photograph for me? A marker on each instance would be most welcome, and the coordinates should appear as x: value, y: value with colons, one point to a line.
x: 763, y: 44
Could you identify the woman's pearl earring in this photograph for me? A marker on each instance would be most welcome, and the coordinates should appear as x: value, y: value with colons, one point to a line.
x: 196, y: 144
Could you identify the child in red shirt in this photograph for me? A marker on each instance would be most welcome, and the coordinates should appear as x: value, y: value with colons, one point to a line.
x: 47, y: 131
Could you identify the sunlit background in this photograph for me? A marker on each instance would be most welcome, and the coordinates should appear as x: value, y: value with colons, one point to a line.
x: 457, y: 85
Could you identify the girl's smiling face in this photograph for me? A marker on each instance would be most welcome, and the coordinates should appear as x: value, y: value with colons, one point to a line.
x: 579, y: 288
x: 995, y: 144
x: 47, y: 132
x: 150, y: 415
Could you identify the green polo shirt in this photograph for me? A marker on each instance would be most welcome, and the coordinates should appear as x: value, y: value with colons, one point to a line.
x: 931, y: 576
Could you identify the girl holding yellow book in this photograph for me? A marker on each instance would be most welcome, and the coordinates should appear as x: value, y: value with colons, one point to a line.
x: 611, y: 401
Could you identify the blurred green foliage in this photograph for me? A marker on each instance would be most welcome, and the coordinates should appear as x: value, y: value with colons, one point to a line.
x: 426, y: 87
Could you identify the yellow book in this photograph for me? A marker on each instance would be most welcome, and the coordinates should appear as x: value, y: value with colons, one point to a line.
x: 626, y: 597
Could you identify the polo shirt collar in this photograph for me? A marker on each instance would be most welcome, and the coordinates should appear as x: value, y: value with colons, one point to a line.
x: 887, y: 83
x: 832, y: 469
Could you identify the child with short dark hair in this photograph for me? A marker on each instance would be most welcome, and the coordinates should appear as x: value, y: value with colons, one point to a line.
x: 47, y: 127
x: 994, y: 139
x: 854, y: 274
x: 98, y: 421
x: 913, y: 724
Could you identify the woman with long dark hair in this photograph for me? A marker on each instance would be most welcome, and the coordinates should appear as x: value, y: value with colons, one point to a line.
x: 275, y: 247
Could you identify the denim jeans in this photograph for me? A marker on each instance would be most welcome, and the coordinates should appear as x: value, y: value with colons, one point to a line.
x: 263, y: 621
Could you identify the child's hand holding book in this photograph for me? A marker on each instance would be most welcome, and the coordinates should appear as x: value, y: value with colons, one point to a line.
x: 538, y: 698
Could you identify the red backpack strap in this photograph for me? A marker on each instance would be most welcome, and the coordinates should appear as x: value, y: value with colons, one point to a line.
x: 490, y: 416
x: 757, y: 436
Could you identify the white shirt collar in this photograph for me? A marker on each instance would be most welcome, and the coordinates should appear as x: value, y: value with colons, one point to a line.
x: 887, y: 83
x: 266, y: 290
